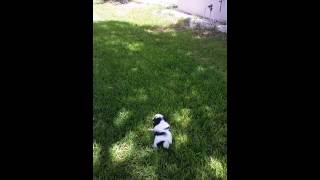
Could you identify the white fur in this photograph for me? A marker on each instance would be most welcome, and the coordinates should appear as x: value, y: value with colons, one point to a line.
x: 158, y: 116
x: 166, y: 144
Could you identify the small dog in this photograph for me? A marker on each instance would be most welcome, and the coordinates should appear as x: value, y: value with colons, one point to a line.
x: 161, y: 130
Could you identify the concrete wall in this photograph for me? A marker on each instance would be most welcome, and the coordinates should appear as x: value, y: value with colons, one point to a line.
x: 200, y: 8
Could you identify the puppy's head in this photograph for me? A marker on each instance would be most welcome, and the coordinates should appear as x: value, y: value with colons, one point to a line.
x: 157, y: 119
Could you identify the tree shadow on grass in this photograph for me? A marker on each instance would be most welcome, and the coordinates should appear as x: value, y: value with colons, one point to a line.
x: 143, y: 70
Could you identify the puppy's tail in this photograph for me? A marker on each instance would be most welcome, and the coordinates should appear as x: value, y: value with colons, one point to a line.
x: 166, y: 144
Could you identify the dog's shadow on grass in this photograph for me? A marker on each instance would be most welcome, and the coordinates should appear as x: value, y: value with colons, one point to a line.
x: 140, y: 71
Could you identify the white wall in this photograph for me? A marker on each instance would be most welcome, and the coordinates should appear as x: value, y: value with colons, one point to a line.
x: 200, y: 8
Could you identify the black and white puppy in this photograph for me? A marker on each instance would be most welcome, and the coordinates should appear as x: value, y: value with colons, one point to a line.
x: 161, y: 130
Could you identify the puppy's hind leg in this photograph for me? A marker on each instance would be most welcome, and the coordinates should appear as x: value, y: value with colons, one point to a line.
x: 154, y: 144
x: 166, y: 144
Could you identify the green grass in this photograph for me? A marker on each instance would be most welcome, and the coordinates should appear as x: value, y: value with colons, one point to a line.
x: 142, y: 68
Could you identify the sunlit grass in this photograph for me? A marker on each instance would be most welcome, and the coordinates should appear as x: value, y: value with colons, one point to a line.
x: 122, y: 150
x: 135, y: 46
x: 182, y: 118
x: 217, y: 167
x: 180, y: 139
x: 122, y: 117
x: 96, y: 154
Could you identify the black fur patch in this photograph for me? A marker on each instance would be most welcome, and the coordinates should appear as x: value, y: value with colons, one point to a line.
x: 160, y: 144
x: 156, y: 121
x: 159, y: 133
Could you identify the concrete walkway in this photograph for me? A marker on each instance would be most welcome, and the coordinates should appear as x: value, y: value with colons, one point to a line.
x: 158, y: 2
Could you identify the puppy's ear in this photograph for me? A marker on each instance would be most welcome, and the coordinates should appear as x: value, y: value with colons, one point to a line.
x: 156, y: 121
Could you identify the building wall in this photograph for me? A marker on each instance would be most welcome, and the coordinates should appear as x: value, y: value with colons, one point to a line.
x: 200, y: 8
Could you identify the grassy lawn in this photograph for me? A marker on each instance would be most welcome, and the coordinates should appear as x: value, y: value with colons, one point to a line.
x: 143, y: 66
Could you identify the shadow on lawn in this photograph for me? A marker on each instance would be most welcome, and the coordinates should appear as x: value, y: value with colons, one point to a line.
x: 143, y: 70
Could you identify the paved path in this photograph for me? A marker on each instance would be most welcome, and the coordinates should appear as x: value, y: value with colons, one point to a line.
x: 159, y: 2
